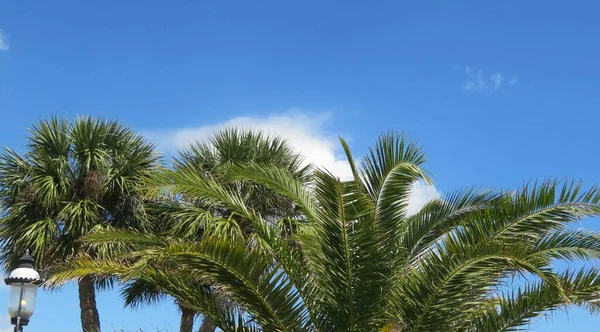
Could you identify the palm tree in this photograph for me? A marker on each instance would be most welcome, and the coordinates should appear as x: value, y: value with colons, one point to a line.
x: 357, y: 262
x: 231, y: 147
x: 189, y: 218
x: 75, y: 178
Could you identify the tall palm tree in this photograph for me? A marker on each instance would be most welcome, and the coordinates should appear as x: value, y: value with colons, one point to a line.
x: 358, y: 262
x: 186, y: 217
x: 75, y: 178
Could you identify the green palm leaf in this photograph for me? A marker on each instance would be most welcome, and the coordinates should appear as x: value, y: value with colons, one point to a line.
x: 74, y: 177
x: 349, y: 258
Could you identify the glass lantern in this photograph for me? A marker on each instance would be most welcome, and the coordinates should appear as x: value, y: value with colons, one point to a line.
x: 23, y: 283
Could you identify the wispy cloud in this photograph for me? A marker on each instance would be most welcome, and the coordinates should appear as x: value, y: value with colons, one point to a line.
x: 3, y: 43
x: 479, y: 82
x: 305, y: 132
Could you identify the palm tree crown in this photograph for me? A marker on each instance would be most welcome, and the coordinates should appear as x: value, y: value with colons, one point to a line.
x: 190, y: 218
x: 74, y: 179
x: 357, y: 262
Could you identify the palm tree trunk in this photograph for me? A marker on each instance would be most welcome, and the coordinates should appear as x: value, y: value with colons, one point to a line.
x: 187, y: 319
x: 90, y: 321
x: 207, y: 325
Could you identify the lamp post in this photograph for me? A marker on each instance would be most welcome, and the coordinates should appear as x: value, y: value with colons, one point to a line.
x: 23, y: 282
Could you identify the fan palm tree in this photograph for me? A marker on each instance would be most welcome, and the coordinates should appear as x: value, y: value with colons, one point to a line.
x: 358, y: 262
x: 75, y: 178
x: 186, y: 217
x: 231, y: 147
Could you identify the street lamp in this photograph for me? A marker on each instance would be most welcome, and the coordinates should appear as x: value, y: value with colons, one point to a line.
x: 23, y: 282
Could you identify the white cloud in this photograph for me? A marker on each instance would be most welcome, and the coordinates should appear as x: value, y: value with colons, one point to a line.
x: 421, y: 193
x: 478, y: 82
x: 304, y: 132
x: 3, y: 43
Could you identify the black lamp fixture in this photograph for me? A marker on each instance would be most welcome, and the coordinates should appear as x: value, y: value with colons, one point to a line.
x: 23, y: 282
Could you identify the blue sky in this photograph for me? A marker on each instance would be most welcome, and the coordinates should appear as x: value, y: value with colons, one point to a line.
x: 498, y: 93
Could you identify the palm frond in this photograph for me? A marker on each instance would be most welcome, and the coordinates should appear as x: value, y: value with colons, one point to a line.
x: 536, y: 211
x: 390, y: 150
x: 139, y: 292
x: 338, y: 255
x: 439, y: 217
x: 247, y: 276
x: 281, y: 180
x: 513, y: 311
